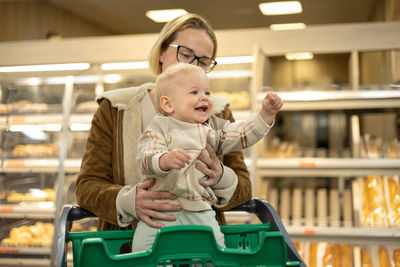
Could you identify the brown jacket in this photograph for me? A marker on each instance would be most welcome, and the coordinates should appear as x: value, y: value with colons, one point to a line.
x: 102, y: 171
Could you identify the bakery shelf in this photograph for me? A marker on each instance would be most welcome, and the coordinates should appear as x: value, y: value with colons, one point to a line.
x: 42, y: 119
x: 330, y: 167
x: 353, y: 235
x: 24, y: 262
x: 338, y: 100
x: 39, y: 165
x: 22, y: 252
x: 36, y: 210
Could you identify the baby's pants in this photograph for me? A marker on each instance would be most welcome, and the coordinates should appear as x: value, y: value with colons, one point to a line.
x: 145, y: 235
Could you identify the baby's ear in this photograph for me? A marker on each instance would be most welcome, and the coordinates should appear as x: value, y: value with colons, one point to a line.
x: 166, y: 105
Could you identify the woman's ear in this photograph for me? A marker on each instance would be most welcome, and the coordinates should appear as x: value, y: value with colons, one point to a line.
x: 166, y: 104
x: 161, y: 57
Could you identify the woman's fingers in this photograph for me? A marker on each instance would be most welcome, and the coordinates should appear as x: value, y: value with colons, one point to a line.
x: 147, y: 209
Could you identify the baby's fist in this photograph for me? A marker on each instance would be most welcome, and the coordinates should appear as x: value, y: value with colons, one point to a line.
x: 271, y: 104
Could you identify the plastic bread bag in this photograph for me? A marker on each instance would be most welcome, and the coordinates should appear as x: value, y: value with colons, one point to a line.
x: 375, y: 200
x: 392, y: 195
x: 383, y: 256
x: 396, y: 257
x: 347, y: 255
x: 369, y: 256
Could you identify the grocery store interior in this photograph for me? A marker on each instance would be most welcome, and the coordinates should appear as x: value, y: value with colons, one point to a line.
x: 330, y: 165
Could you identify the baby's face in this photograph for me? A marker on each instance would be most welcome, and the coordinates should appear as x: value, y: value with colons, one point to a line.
x: 191, y: 97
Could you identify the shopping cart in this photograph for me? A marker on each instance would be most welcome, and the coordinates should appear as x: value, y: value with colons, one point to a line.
x: 266, y: 244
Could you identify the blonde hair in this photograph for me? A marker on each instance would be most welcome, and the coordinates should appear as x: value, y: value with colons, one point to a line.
x: 168, y: 35
x: 163, y: 83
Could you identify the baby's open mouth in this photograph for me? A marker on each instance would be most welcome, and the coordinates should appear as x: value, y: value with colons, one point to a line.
x: 202, y: 108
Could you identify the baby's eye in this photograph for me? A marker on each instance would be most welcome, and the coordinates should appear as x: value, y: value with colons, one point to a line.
x: 194, y: 92
x: 207, y: 93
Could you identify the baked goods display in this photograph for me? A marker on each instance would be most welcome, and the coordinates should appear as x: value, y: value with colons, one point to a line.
x: 23, y: 106
x: 377, y: 200
x: 371, y: 148
x: 38, y: 234
x: 88, y: 106
x: 325, y: 254
x: 35, y: 150
x: 47, y: 194
x: 279, y: 149
x: 238, y: 100
x: 374, y: 147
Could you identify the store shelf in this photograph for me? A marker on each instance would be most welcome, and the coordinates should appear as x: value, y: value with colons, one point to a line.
x: 21, y: 252
x: 41, y: 119
x: 37, y: 210
x: 338, y: 100
x: 39, y: 165
x: 352, y: 235
x: 24, y: 262
x: 329, y: 167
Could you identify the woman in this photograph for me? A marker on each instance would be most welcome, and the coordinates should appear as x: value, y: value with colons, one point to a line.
x: 109, y: 183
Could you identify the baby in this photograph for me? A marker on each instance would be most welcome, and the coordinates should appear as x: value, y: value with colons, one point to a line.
x: 169, y: 147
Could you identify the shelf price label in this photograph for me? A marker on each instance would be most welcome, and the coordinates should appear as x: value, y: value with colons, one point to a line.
x: 6, y: 208
x: 9, y: 251
x: 307, y: 164
x: 15, y: 163
x: 309, y: 231
x: 18, y: 119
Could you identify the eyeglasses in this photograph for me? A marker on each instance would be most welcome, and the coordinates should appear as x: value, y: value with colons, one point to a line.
x: 187, y: 55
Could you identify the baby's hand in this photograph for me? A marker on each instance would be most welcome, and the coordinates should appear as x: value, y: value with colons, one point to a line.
x: 174, y: 159
x: 271, y: 104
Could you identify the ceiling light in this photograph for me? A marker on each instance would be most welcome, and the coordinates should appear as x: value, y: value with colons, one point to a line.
x: 80, y: 127
x: 234, y: 60
x: 49, y: 67
x: 287, y: 26
x: 125, y: 65
x: 34, y: 81
x: 280, y: 8
x: 223, y: 74
x: 112, y: 78
x: 164, y: 15
x: 299, y: 56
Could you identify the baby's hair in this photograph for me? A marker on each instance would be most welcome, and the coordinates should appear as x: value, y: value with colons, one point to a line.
x: 163, y: 85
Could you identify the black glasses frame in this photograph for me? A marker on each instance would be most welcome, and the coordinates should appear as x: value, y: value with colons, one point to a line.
x: 195, y: 57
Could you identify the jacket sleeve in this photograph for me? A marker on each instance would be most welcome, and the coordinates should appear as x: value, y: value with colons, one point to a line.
x: 235, y: 161
x: 95, y: 189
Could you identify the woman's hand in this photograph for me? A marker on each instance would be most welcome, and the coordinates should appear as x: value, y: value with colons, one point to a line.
x: 212, y: 167
x: 148, y: 209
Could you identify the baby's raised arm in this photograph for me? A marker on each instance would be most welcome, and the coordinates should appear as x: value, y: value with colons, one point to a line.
x: 270, y: 106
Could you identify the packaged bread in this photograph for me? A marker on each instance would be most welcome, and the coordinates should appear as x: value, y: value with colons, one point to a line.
x: 396, y: 258
x: 366, y: 260
x: 312, y: 259
x: 33, y: 107
x: 393, y: 149
x: 383, y: 258
x: 347, y: 259
x: 327, y: 258
x: 392, y: 190
x: 336, y: 255
x: 374, y: 208
x: 35, y: 150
